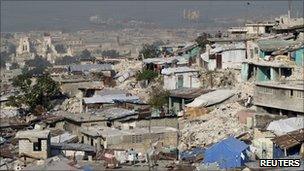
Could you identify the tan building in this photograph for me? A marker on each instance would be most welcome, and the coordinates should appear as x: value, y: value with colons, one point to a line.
x: 138, y: 139
x: 280, y: 97
x: 34, y: 143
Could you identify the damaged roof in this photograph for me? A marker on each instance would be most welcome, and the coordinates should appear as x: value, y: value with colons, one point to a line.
x: 73, y: 146
x: 96, y: 131
x: 211, y: 98
x: 274, y: 44
x: 90, y: 67
x: 290, y: 139
x: 103, y: 115
x: 188, y: 93
x: 111, y: 98
x: 284, y: 126
x: 168, y: 71
x: 160, y: 61
x: 33, y: 134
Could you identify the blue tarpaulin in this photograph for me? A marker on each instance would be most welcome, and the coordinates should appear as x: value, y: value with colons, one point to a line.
x: 229, y: 153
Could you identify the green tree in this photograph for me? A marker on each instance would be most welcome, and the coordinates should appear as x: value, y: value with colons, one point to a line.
x: 5, y: 57
x: 203, y: 40
x: 60, y: 48
x: 30, y: 96
x: 146, y: 75
x: 110, y: 53
x: 149, y: 51
x: 159, y: 98
x: 38, y: 61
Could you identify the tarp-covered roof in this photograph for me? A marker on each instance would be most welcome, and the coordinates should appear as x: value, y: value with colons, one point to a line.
x: 284, y: 126
x: 211, y: 98
x: 227, y: 153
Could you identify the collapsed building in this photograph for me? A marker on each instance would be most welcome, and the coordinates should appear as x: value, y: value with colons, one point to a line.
x: 138, y: 139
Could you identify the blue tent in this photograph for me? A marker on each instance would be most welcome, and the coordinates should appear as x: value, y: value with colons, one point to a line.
x: 228, y: 153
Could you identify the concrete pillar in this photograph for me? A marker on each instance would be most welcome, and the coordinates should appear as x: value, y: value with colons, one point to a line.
x: 170, y: 103
x: 98, y: 144
x: 244, y: 71
x: 281, y: 114
x: 274, y: 74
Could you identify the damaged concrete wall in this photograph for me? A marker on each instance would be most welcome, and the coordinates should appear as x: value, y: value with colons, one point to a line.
x: 26, y: 146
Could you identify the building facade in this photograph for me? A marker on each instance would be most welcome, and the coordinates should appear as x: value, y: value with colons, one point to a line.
x: 280, y: 97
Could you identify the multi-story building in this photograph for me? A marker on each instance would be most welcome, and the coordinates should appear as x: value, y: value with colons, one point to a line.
x: 284, y: 97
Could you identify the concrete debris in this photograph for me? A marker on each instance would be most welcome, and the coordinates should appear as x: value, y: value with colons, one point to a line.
x: 73, y: 105
x: 7, y: 113
x: 211, y: 127
x: 225, y: 78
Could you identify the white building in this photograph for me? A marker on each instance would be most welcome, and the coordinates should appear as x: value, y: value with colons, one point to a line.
x: 24, y: 46
x: 180, y: 77
x: 221, y: 56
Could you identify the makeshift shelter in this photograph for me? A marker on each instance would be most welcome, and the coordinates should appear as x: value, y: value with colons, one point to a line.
x: 229, y: 153
x: 284, y: 126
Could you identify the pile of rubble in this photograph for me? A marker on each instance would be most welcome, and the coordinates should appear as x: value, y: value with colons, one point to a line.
x: 126, y: 65
x: 73, y: 105
x: 211, y: 127
x: 225, y: 78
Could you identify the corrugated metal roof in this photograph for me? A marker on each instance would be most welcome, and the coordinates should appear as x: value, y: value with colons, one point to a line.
x: 290, y: 139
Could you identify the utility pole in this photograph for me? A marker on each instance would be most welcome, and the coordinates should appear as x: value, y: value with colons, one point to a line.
x: 289, y: 9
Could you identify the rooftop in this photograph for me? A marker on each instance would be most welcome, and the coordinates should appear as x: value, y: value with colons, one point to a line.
x: 73, y: 146
x: 112, y: 132
x: 274, y: 44
x: 33, y: 134
x: 168, y: 71
x: 290, y: 139
x: 90, y: 67
x: 110, y: 98
x: 166, y: 60
x: 290, y: 84
x: 102, y: 115
x: 188, y: 93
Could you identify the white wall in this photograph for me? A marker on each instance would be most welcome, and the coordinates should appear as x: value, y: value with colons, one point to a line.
x: 191, y: 80
x: 255, y: 29
x: 233, y: 58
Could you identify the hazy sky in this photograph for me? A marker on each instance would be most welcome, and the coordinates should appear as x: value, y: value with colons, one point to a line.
x: 33, y: 15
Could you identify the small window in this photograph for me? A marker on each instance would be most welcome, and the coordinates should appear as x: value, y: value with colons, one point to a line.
x: 291, y: 93
x: 37, y: 145
x: 52, y: 125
